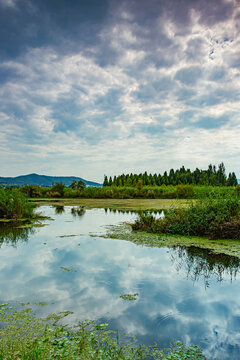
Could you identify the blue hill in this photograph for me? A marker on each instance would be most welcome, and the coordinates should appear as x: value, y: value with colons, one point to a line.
x: 42, y: 180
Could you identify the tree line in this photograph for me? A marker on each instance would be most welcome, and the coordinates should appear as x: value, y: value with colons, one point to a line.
x: 212, y: 176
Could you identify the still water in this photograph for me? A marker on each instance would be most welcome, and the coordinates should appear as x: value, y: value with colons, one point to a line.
x: 184, y: 295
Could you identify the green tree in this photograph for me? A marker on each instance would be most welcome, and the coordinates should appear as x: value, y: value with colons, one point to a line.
x: 73, y: 185
x: 221, y: 176
x: 105, y: 182
x: 81, y: 185
x: 59, y: 188
x: 139, y: 184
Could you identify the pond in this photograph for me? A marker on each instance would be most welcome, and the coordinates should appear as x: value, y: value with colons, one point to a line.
x: 157, y: 294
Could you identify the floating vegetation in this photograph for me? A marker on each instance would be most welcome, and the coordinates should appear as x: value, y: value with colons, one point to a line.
x: 67, y: 269
x: 31, y: 225
x: 41, y: 303
x: 129, y: 297
x: 144, y: 238
x: 65, y: 236
x: 54, y: 318
x: 23, y: 336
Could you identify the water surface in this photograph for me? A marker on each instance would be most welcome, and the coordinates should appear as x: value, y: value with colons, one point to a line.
x: 182, y: 294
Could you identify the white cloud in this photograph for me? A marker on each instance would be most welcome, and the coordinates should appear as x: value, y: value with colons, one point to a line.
x: 73, y: 105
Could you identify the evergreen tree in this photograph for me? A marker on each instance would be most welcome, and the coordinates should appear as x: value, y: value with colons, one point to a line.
x: 221, y: 176
x: 105, y: 182
x: 234, y: 179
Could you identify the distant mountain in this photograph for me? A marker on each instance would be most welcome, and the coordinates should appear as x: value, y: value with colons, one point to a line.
x: 42, y: 180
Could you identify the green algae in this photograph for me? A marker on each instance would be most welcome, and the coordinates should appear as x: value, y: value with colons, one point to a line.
x: 124, y: 232
x: 129, y: 297
x: 67, y: 269
x: 66, y: 236
x: 41, y: 303
x: 30, y: 226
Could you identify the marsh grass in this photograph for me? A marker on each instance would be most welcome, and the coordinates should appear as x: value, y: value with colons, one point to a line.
x: 15, y: 205
x: 23, y: 336
x: 214, y: 217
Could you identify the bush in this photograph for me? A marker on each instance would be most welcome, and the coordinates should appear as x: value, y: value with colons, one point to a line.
x: 212, y: 217
x: 58, y: 188
x: 184, y: 191
x: 14, y: 205
x: 237, y: 189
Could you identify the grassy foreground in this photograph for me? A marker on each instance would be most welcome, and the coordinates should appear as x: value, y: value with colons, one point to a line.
x: 23, y: 336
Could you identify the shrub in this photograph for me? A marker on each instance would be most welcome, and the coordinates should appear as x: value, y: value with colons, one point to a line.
x: 184, y: 191
x: 237, y: 189
x: 212, y: 217
x: 14, y: 205
x: 58, y: 188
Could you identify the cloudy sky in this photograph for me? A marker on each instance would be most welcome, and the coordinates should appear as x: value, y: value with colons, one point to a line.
x: 93, y: 87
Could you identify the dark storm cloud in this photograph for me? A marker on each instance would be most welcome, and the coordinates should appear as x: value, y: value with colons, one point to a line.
x: 83, y: 74
x: 57, y: 22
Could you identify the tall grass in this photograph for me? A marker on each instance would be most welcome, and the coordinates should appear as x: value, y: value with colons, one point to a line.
x: 214, y: 217
x: 14, y: 205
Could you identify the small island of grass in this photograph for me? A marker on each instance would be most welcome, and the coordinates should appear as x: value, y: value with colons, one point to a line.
x: 16, y: 208
x: 215, y: 218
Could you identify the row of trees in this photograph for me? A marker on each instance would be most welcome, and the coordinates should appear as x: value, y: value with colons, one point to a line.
x: 211, y: 176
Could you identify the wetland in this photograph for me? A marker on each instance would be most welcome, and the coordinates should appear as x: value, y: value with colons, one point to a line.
x: 89, y: 263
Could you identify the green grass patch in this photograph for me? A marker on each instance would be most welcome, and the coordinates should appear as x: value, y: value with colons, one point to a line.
x: 117, y: 204
x: 222, y: 246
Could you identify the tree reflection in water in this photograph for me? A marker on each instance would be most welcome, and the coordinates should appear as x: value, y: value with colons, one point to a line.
x: 202, y: 263
x: 155, y: 213
x: 59, y: 209
x: 78, y: 211
x: 11, y: 235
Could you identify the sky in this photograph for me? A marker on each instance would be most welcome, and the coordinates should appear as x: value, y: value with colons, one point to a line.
x: 93, y: 87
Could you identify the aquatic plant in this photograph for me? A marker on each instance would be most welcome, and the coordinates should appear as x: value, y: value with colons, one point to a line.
x: 23, y: 336
x: 214, y: 217
x: 14, y: 205
x: 129, y: 297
